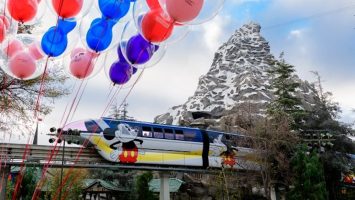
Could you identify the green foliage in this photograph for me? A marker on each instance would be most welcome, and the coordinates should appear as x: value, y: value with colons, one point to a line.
x: 29, y: 182
x: 72, y: 187
x: 309, y: 181
x: 142, y: 187
x: 284, y: 88
x: 9, y: 189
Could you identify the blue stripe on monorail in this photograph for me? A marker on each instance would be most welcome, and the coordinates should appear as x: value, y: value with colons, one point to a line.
x: 170, y: 132
x: 159, y: 131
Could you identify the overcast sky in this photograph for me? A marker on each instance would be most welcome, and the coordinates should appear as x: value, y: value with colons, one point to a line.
x: 316, y: 35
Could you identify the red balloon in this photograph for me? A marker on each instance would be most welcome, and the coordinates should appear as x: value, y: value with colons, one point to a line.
x: 157, y: 26
x: 22, y: 11
x: 12, y: 47
x: 184, y: 11
x: 2, y: 31
x: 67, y: 8
x: 5, y: 21
x: 153, y: 4
x: 22, y: 65
x: 81, y: 64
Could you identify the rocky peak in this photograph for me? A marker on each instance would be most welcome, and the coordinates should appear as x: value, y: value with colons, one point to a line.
x: 237, y: 80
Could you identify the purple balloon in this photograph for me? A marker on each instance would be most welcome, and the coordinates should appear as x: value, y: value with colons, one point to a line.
x: 119, y: 51
x: 139, y: 51
x: 120, y: 72
x: 134, y: 70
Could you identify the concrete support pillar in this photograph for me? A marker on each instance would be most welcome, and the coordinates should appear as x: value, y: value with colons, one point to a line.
x: 164, y: 186
x: 4, y: 173
x: 273, y: 193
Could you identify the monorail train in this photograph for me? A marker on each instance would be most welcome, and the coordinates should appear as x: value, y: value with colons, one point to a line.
x: 135, y: 142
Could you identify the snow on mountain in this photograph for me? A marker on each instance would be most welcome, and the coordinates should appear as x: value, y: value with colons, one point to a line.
x: 237, y: 78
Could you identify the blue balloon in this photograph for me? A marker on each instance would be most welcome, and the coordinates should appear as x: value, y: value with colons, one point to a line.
x: 66, y: 25
x: 99, y: 35
x: 120, y: 72
x: 55, y: 40
x: 114, y: 9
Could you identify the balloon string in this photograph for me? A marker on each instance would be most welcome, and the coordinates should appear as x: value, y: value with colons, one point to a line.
x: 34, y: 196
x: 87, y: 68
x: 79, y: 100
x: 54, y: 152
x: 87, y: 140
x: 66, y: 107
x: 111, y: 100
x: 41, y: 89
x: 21, y: 173
x: 105, y: 110
x: 37, y: 106
x: 85, y: 143
x: 110, y: 90
x: 5, y: 13
x: 3, y: 88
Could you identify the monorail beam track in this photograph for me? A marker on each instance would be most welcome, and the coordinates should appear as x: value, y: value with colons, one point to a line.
x: 12, y: 155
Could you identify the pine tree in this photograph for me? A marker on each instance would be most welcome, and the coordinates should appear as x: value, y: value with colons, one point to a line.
x: 324, y: 112
x: 284, y: 88
x: 120, y: 112
x: 309, y: 181
x: 142, y: 186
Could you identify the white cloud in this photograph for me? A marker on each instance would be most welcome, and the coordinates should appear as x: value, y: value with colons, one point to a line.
x: 296, y: 34
x: 213, y: 31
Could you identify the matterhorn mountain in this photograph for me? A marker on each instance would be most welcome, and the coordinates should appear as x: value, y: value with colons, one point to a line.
x: 237, y: 82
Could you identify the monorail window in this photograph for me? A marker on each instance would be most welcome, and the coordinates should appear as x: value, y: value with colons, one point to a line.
x: 92, y: 127
x: 179, y: 134
x: 135, y: 128
x: 213, y: 136
x: 169, y: 134
x: 158, y: 133
x: 147, y: 131
x: 191, y: 136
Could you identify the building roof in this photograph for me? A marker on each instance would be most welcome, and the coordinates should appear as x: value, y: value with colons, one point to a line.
x: 88, y: 183
x: 174, y: 185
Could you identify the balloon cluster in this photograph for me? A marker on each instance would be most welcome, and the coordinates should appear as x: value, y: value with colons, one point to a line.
x: 98, y: 37
x: 139, y: 45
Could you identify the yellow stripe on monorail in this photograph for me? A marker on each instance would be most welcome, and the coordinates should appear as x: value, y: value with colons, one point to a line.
x: 149, y: 156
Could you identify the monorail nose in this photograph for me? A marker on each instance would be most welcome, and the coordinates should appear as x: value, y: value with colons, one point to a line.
x: 82, y: 126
